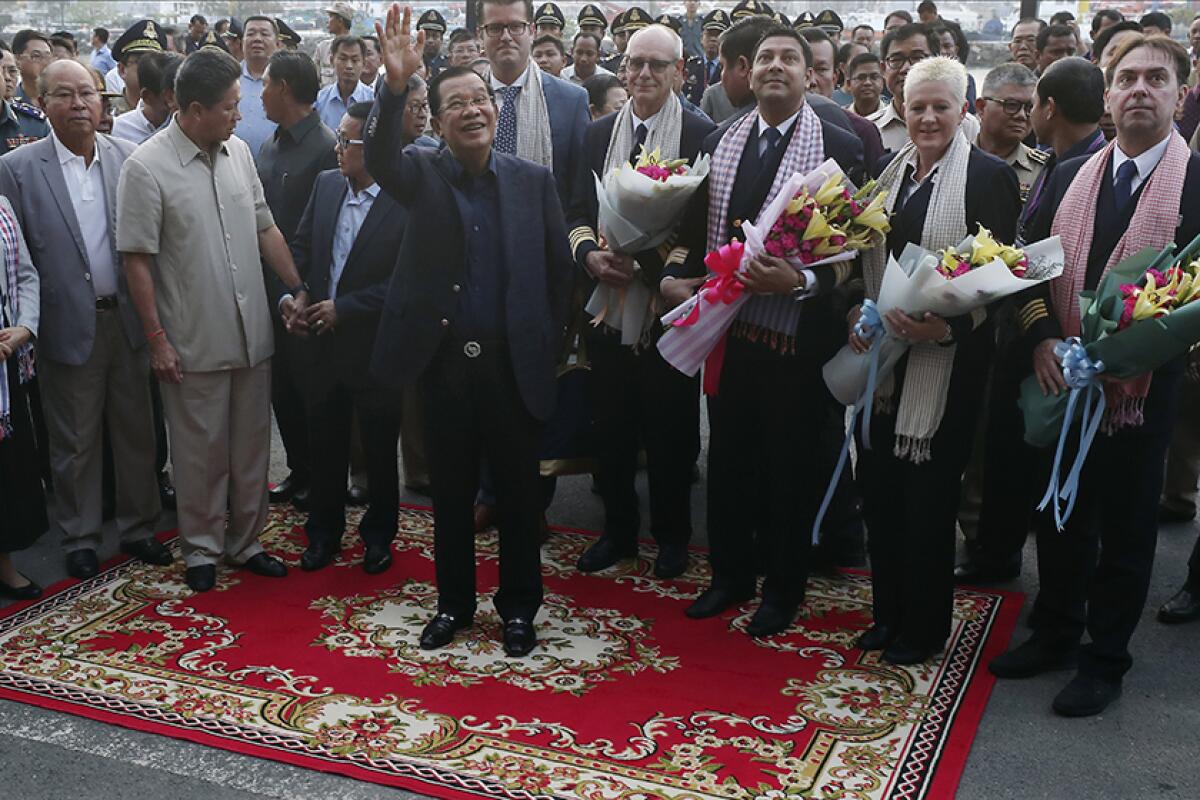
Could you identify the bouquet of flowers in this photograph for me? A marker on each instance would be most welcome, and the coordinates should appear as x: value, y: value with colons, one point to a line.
x: 1142, y: 315
x: 639, y: 207
x: 815, y: 219
x: 948, y: 283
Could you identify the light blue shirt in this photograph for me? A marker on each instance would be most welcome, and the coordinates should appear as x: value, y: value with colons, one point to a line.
x: 254, y: 128
x: 102, y: 60
x: 354, y: 210
x: 331, y: 107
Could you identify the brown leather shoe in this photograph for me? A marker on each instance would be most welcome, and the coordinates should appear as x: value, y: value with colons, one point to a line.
x: 485, y: 517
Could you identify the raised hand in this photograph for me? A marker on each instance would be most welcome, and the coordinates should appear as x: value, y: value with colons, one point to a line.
x: 400, y: 51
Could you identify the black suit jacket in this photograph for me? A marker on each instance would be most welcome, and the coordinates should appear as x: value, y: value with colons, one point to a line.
x: 584, y: 209
x: 343, y: 355
x: 1036, y: 316
x: 423, y: 297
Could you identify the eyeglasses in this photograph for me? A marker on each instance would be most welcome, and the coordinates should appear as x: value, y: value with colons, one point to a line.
x: 87, y: 95
x: 497, y: 29
x: 459, y: 105
x: 1011, y: 107
x: 898, y: 60
x: 344, y: 142
x: 417, y: 108
x: 636, y: 65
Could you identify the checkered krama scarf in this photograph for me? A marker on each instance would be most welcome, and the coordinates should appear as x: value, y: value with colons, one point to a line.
x: 773, y: 317
x: 10, y: 309
x: 1153, y: 224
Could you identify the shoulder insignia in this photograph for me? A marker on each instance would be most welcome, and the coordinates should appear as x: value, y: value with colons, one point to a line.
x: 22, y: 107
x: 1037, y: 156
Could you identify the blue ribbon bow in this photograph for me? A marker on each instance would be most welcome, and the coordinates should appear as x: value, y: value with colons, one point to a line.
x: 869, y: 328
x: 1083, y: 379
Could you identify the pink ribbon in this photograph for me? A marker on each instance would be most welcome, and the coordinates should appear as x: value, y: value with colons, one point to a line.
x: 723, y: 287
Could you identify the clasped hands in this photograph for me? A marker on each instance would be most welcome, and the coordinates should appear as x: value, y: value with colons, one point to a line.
x: 12, y: 340
x: 928, y: 327
x: 300, y: 318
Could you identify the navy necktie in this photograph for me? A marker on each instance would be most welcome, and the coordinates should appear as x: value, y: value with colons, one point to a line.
x: 1123, y: 185
x: 506, y: 125
x: 639, y: 139
x: 771, y: 136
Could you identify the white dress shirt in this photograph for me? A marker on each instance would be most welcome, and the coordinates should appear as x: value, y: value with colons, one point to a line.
x: 497, y: 85
x: 85, y: 185
x: 355, y: 208
x: 134, y: 127
x: 1146, y: 162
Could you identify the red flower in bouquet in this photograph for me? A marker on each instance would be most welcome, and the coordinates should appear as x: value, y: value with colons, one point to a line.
x: 653, y: 166
x: 833, y: 220
x: 1159, y: 293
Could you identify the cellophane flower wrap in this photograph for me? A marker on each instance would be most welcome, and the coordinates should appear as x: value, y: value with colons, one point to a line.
x: 948, y: 283
x: 818, y: 218
x: 639, y: 206
x: 1142, y: 315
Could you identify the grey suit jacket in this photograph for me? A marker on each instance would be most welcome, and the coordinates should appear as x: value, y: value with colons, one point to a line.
x: 32, y: 180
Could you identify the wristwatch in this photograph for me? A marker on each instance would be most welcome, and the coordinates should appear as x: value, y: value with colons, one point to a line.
x: 800, y: 290
x: 297, y: 289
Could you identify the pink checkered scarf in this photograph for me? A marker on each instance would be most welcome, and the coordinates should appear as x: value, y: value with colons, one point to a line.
x: 10, y: 308
x: 773, y: 318
x: 1153, y: 225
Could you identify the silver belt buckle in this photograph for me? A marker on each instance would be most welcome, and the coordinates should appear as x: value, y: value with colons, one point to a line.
x: 472, y: 349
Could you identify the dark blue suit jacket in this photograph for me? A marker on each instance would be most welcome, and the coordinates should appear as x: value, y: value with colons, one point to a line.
x: 423, y: 297
x: 344, y: 355
x: 567, y: 106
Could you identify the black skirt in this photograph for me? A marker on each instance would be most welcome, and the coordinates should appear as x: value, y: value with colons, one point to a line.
x: 22, y: 503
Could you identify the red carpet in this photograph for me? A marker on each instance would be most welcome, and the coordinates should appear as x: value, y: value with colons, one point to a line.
x: 625, y: 698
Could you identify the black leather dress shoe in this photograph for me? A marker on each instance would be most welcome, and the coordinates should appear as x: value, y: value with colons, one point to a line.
x: 201, y: 578
x: 877, y: 637
x: 82, y: 564
x: 318, y: 555
x: 265, y: 565
x: 603, y: 554
x: 903, y: 654
x: 1168, y: 515
x: 1086, y: 696
x: 377, y: 558
x: 1033, y: 657
x: 771, y: 619
x: 300, y: 499
x: 149, y: 550
x: 357, y: 496
x: 1183, y: 607
x: 671, y: 562
x: 441, y: 629
x: 286, y: 489
x: 976, y: 573
x: 519, y: 637
x: 27, y: 592
x: 715, y: 600
x: 166, y: 491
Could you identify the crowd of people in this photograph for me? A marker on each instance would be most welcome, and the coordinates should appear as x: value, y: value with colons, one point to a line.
x: 389, y: 244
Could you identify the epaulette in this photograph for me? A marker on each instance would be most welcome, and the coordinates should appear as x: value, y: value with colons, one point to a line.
x: 21, y: 107
x: 1040, y: 156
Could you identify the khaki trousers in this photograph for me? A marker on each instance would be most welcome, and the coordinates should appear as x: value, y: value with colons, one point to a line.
x: 112, y: 385
x: 220, y: 451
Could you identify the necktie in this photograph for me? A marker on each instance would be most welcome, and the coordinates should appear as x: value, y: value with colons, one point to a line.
x: 771, y: 137
x: 1123, y: 185
x: 639, y: 139
x: 712, y: 73
x: 506, y: 126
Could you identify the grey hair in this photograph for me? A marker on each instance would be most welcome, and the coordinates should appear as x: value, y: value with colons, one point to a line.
x: 416, y: 83
x: 939, y: 69
x: 1010, y: 74
x: 676, y: 42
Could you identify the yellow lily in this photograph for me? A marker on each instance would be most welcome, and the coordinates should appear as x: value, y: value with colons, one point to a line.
x: 830, y: 192
x: 819, y: 227
x: 984, y: 249
x: 874, y: 216
x: 1152, y: 301
x: 798, y: 202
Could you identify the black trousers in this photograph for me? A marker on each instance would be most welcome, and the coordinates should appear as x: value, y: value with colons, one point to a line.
x: 638, y: 398
x: 1095, y: 575
x: 287, y: 400
x: 911, y: 509
x: 330, y: 414
x: 765, y: 470
x: 473, y: 410
x: 1011, y: 467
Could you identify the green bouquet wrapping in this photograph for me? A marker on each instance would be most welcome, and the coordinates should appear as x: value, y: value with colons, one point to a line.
x: 1139, y: 317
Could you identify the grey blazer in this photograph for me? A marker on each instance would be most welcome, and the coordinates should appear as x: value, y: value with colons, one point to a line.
x: 32, y: 180
x: 26, y: 290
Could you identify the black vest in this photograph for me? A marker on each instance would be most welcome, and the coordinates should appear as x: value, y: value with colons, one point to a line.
x: 1110, y: 226
x: 753, y: 182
